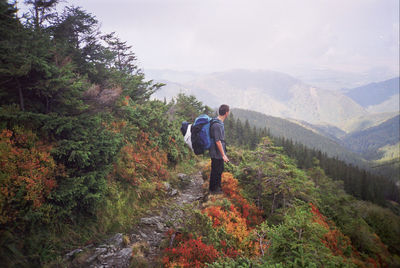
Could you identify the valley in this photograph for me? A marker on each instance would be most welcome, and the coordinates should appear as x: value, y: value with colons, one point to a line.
x: 350, y: 124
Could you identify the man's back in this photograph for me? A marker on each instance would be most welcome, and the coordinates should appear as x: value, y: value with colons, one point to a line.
x: 218, y: 149
x: 217, y: 133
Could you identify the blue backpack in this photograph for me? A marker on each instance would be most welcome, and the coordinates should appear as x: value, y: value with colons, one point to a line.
x: 200, y: 131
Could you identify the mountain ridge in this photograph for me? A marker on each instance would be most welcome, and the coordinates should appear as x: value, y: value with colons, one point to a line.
x: 378, y: 92
x: 368, y: 142
x: 272, y: 93
x: 292, y: 130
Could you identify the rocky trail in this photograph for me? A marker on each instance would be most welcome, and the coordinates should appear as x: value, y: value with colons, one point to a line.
x: 141, y: 247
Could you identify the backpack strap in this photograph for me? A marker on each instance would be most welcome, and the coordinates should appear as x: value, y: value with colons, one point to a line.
x: 212, y: 122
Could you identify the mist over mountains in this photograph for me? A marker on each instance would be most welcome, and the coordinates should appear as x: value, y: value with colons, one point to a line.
x: 341, y: 80
x: 377, y: 97
x: 281, y: 95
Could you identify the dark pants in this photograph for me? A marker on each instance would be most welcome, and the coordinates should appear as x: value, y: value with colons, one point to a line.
x: 217, y: 167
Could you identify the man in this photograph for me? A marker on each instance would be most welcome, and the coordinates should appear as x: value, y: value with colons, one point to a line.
x: 218, y: 149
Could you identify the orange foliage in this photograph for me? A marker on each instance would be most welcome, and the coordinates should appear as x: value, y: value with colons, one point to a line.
x: 141, y: 161
x: 334, y: 239
x: 235, y: 220
x: 125, y: 101
x: 116, y: 126
x: 238, y: 219
x: 27, y: 172
x: 338, y: 243
x: 230, y: 186
x: 189, y: 252
x: 232, y: 221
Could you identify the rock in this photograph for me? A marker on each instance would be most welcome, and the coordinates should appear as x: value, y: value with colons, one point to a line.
x: 173, y: 192
x: 119, y: 259
x: 183, y: 177
x: 73, y: 253
x: 160, y: 226
x: 154, y: 221
x: 151, y: 221
x: 97, y: 252
x: 167, y: 186
x: 117, y: 240
x: 184, y: 180
x: 143, y: 235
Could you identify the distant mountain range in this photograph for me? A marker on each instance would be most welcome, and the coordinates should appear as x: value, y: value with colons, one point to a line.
x: 375, y: 146
x: 353, y: 124
x: 296, y: 132
x: 371, y: 141
x: 339, y: 80
x: 377, y: 97
x: 284, y: 96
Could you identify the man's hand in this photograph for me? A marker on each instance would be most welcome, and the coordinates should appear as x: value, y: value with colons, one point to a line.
x: 221, y: 150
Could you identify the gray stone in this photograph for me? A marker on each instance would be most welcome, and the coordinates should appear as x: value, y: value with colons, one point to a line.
x: 183, y: 177
x: 97, y: 252
x: 120, y: 258
x: 167, y: 186
x: 117, y: 240
x: 73, y: 253
x: 173, y: 192
x: 143, y: 235
x: 160, y: 226
x: 151, y: 221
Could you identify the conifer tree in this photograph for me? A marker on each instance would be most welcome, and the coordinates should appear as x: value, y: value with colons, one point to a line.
x: 41, y: 11
x: 123, y: 59
x: 14, y: 58
x: 239, y: 132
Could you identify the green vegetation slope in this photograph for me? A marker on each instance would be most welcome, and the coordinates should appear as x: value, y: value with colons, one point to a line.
x: 292, y: 131
x: 84, y: 152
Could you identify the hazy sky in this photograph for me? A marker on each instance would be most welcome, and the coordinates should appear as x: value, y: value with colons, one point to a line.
x: 213, y: 35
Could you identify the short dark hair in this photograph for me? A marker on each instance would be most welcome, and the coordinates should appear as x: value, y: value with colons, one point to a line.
x: 223, y: 109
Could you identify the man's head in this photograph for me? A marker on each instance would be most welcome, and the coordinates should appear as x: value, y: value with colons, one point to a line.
x: 223, y: 110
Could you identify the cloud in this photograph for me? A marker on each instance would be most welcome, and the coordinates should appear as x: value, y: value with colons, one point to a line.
x: 258, y: 34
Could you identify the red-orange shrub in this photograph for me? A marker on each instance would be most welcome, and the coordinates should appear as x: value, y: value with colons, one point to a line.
x: 189, y: 252
x: 230, y: 186
x: 27, y: 173
x: 338, y: 243
x: 234, y: 216
x: 334, y: 239
x: 232, y: 221
x: 141, y: 161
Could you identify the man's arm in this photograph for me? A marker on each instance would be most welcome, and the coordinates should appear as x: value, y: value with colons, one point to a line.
x: 221, y: 150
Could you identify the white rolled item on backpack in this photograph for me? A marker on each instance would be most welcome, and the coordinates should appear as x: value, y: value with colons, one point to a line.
x: 188, y: 137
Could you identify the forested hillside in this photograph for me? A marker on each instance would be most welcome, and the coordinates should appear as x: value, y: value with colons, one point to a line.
x: 358, y: 182
x: 379, y: 143
x: 85, y: 153
x: 293, y: 131
x: 368, y: 142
